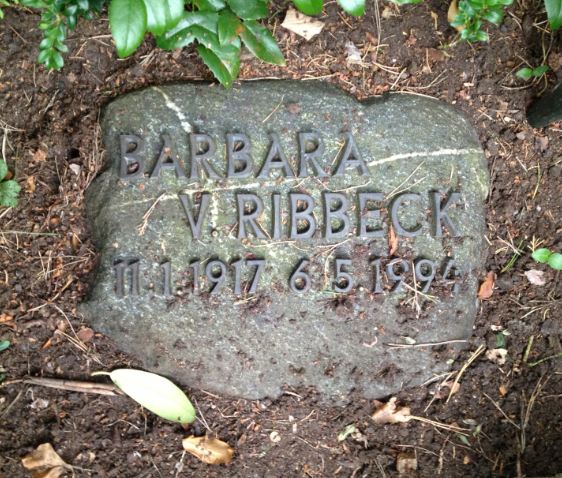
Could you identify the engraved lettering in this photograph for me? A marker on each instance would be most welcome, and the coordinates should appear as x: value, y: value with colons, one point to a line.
x: 351, y: 158
x: 440, y: 214
x: 195, y: 224
x: 168, y: 159
x: 239, y: 161
x: 311, y: 148
x: 303, y: 224
x: 367, y: 211
x: 396, y: 204
x: 275, y: 159
x: 250, y: 207
x: 132, y: 163
x: 339, y: 214
x: 202, y: 148
x: 126, y: 270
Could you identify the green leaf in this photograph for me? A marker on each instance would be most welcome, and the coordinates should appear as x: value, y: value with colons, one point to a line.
x: 4, y: 344
x: 540, y: 70
x: 162, y: 15
x: 554, y: 13
x: 249, y: 9
x: 261, y: 43
x: 229, y: 27
x: 494, y: 16
x: 182, y: 35
x: 228, y: 56
x: 9, y: 191
x: 210, y: 5
x: 555, y: 261
x: 127, y: 20
x: 3, y: 169
x: 215, y: 65
x: 353, y: 7
x: 524, y: 73
x: 541, y: 255
x: 309, y: 7
x: 155, y: 393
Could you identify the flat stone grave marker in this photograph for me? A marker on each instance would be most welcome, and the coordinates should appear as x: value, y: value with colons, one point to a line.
x: 282, y: 234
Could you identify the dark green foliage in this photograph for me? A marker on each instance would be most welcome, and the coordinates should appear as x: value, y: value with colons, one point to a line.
x: 546, y: 256
x: 473, y: 13
x: 9, y: 188
x: 528, y: 73
x: 314, y: 7
x: 218, y: 27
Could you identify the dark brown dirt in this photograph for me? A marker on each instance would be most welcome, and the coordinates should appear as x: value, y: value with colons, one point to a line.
x: 49, y: 122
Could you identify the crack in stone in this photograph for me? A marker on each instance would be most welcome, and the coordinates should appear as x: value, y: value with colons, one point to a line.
x: 185, y: 124
x: 262, y: 184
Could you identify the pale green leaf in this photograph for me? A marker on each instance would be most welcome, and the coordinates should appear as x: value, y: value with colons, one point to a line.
x: 162, y: 15
x: 261, y: 43
x: 555, y: 261
x: 309, y: 7
x: 554, y: 13
x: 353, y: 7
x: 127, y: 20
x: 182, y: 35
x: 155, y: 393
x: 541, y: 255
x: 9, y: 191
x: 3, y: 169
x: 249, y: 9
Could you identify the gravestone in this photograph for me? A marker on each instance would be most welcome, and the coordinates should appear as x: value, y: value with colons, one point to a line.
x: 283, y: 234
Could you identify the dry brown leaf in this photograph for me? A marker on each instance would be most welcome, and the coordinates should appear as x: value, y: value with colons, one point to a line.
x: 392, y: 241
x: 5, y: 318
x: 209, y: 450
x: 30, y: 182
x: 406, y: 463
x: 388, y: 413
x: 452, y: 388
x: 44, y: 462
x: 39, y: 155
x: 452, y: 14
x: 86, y: 334
x: 497, y: 356
x: 535, y: 277
x: 303, y: 25
x: 487, y: 287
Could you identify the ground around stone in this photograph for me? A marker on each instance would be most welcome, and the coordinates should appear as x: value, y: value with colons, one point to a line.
x: 52, y: 140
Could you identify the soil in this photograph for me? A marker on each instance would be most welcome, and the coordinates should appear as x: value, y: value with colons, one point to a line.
x: 51, y: 141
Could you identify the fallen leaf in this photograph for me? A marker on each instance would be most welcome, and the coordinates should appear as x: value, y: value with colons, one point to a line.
x: 392, y: 241
x: 30, y: 184
x: 497, y: 355
x: 86, y: 334
x: 388, y: 413
x: 353, y: 53
x: 156, y: 393
x: 452, y: 14
x: 75, y: 168
x: 535, y: 277
x: 44, y: 462
x: 447, y: 389
x: 348, y: 430
x: 5, y: 318
x: 39, y: 155
x: 406, y: 463
x: 487, y: 287
x: 301, y: 24
x: 209, y: 450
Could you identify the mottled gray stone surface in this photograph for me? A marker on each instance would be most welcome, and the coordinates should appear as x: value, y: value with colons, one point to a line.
x: 255, y: 345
